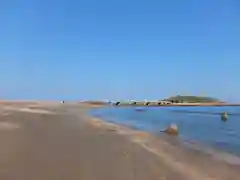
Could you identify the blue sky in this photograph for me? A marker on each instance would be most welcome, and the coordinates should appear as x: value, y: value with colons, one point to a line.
x: 128, y: 49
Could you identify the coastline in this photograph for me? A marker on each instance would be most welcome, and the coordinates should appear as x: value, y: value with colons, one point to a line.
x: 182, y: 104
x: 178, y: 154
x: 62, y: 141
x: 153, y: 104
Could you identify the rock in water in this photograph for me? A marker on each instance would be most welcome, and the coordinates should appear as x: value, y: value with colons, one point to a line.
x: 172, y: 129
x: 224, y: 116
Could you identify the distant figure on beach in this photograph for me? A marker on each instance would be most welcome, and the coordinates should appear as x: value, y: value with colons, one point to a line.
x: 172, y: 129
x: 224, y: 116
x: 62, y: 102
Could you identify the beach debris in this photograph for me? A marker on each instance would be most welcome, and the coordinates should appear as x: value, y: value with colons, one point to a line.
x: 224, y: 116
x: 172, y: 129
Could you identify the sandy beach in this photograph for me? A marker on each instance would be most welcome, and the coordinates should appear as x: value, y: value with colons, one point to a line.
x: 53, y: 141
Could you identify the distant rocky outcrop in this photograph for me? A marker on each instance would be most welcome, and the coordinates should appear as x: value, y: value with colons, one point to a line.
x: 192, y: 99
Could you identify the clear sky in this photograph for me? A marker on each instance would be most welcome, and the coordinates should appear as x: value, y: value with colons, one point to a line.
x: 119, y: 49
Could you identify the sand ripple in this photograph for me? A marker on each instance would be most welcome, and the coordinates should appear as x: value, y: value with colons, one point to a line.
x: 29, y: 110
x: 41, y: 111
x: 8, y: 126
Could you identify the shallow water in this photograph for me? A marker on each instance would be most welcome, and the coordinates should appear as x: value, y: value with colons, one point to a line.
x: 201, y: 124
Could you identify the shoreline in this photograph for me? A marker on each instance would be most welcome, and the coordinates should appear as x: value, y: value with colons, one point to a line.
x: 194, y: 144
x: 180, y: 105
x: 177, y: 153
x: 189, y: 144
x: 55, y: 141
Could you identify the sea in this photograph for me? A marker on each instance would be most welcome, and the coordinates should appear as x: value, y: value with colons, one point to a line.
x: 197, y: 124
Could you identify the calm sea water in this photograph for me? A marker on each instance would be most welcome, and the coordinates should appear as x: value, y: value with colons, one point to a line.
x: 202, y: 124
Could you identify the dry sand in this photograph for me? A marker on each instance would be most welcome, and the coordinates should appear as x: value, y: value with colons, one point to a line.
x: 53, y: 141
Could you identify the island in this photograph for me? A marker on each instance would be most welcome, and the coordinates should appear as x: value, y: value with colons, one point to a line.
x: 192, y: 99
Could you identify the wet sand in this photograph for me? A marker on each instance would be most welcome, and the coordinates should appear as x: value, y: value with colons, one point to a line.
x: 53, y: 141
